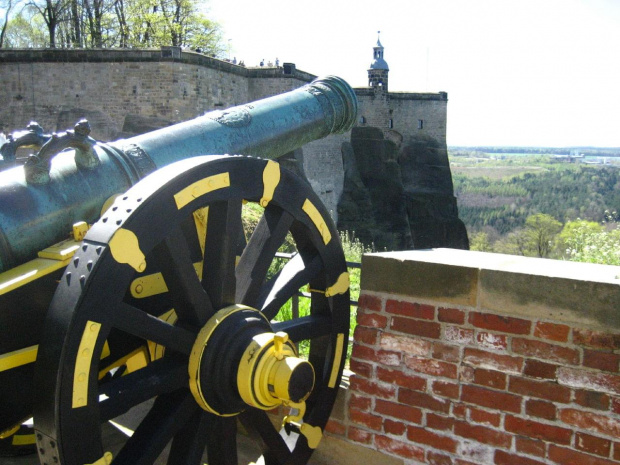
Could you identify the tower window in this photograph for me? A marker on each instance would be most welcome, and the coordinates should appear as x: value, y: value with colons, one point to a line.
x: 420, y: 124
x: 362, y: 120
x: 391, y: 124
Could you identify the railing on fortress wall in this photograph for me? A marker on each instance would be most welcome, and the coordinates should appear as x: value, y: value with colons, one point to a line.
x: 307, y: 295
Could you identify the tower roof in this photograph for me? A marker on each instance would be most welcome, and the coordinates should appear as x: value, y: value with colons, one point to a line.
x: 379, y: 62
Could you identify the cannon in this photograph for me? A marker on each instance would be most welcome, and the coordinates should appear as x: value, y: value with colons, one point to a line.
x: 129, y: 281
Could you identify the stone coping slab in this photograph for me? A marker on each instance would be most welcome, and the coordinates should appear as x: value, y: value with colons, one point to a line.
x: 555, y: 290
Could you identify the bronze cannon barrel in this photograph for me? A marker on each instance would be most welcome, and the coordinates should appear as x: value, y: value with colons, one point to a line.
x: 35, y: 215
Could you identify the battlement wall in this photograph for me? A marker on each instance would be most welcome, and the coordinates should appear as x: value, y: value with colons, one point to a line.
x: 464, y: 357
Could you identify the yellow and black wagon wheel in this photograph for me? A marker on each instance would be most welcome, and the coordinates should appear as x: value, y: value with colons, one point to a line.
x: 168, y: 268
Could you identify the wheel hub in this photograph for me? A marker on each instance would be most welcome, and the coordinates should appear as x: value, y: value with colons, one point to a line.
x: 237, y: 360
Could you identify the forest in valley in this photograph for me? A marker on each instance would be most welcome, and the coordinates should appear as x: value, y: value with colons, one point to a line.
x: 539, y: 205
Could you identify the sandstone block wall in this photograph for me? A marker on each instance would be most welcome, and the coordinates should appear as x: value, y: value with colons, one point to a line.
x: 405, y: 110
x: 465, y: 358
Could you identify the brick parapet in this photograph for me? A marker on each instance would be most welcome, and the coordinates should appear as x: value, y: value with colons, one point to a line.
x: 450, y: 377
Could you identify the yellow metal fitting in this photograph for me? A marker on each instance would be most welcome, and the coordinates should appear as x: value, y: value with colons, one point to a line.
x: 79, y: 230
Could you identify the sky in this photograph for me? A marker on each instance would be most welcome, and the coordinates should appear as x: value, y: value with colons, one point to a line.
x: 517, y: 72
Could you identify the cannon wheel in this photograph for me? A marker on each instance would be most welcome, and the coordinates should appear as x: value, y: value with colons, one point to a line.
x: 146, y: 231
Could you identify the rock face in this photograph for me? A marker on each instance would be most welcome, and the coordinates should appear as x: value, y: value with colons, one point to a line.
x: 398, y: 192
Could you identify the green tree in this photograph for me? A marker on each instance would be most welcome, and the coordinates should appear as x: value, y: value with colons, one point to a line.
x: 541, y: 231
x: 25, y: 30
x: 480, y: 241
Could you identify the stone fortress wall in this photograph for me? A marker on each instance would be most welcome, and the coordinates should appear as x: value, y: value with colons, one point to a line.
x: 125, y: 92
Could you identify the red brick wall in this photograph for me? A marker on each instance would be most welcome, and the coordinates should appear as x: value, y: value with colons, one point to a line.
x: 440, y: 384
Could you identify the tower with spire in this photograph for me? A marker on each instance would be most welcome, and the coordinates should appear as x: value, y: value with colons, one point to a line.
x: 378, y: 71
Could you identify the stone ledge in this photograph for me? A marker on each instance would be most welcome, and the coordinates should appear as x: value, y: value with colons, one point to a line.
x: 576, y: 293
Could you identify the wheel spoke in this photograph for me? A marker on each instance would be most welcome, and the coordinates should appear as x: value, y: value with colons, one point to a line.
x: 307, y: 327
x: 168, y: 415
x: 139, y: 323
x: 272, y: 444
x: 189, y: 443
x: 254, y: 264
x: 287, y: 283
x: 221, y: 440
x: 159, y: 377
x: 190, y: 300
x: 218, y: 272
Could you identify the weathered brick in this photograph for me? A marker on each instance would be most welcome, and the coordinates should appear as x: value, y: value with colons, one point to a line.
x: 446, y: 352
x: 458, y: 335
x: 420, y: 328
x: 365, y: 335
x: 459, y: 410
x: 591, y: 380
x: 482, y: 434
x: 595, y: 422
x: 552, y: 331
x: 446, y: 389
x: 405, y: 344
x: 395, y: 376
x: 599, y: 360
x: 388, y: 357
x: 592, y: 399
x: 335, y: 427
x: 400, y: 448
x: 423, y: 400
x: 359, y: 435
x: 451, y: 315
x: 410, y: 309
x: 404, y: 412
x: 508, y: 458
x: 490, y: 360
x: 540, y: 409
x: 369, y: 302
x: 397, y: 428
x: 361, y: 352
x: 491, y: 340
x: 569, y: 456
x: 500, y: 323
x: 592, y: 444
x: 535, y: 429
x: 359, y: 402
x: 596, y: 339
x: 439, y: 422
x: 496, y: 400
x: 372, y: 320
x: 616, y: 452
x: 484, y: 417
x: 360, y: 368
x: 382, y: 390
x: 490, y: 378
x: 366, y: 419
x: 545, y: 350
x: 434, y: 458
x: 437, y: 441
x: 538, y: 369
x: 530, y: 446
x: 432, y: 367
x: 541, y: 389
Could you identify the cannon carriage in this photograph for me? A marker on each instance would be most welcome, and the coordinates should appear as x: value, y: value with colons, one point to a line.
x: 127, y: 277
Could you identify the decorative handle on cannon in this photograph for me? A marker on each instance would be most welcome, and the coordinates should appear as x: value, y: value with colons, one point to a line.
x: 37, y: 167
x: 33, y: 136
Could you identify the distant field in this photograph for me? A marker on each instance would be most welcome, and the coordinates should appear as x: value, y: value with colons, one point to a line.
x: 492, y: 172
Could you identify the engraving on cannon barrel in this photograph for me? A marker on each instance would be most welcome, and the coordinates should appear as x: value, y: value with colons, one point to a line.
x: 234, y: 118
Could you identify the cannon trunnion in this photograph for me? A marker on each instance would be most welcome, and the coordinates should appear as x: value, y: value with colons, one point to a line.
x: 170, y: 298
